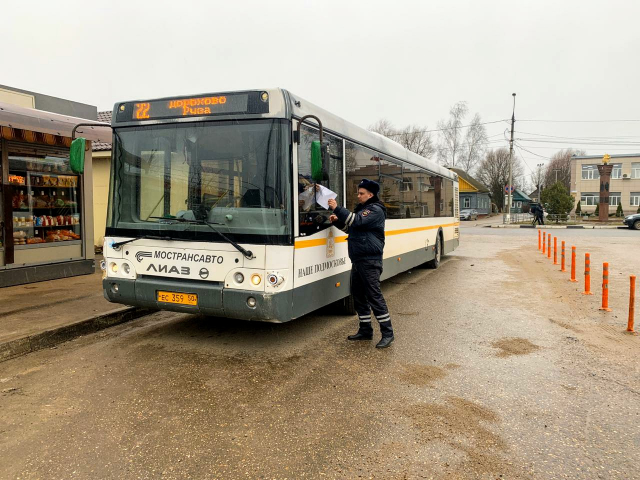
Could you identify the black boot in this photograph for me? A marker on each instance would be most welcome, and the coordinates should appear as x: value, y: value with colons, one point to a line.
x: 387, y: 334
x: 365, y: 332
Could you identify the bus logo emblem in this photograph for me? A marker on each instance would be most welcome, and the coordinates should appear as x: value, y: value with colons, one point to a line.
x: 204, y: 273
x: 331, y: 244
x: 141, y: 255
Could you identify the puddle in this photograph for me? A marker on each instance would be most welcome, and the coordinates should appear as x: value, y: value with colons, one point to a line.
x: 422, y: 375
x: 514, y: 346
x: 460, y: 424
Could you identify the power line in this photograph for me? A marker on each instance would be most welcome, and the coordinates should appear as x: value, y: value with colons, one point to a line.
x: 443, y: 129
x: 578, y: 138
x: 580, y: 121
x: 573, y: 142
x: 532, y: 153
x: 631, y: 150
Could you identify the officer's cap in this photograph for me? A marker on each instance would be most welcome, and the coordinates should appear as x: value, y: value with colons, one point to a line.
x: 370, y: 185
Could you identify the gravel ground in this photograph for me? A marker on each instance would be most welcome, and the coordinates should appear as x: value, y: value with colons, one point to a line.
x: 500, y: 369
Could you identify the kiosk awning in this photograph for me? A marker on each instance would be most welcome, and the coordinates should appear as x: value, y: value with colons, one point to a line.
x: 29, y: 119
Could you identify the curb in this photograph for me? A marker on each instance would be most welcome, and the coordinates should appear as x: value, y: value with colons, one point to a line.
x: 551, y: 227
x: 64, y: 333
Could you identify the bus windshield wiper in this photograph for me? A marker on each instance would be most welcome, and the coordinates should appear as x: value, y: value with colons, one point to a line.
x: 246, y: 253
x: 117, y: 245
x: 170, y: 220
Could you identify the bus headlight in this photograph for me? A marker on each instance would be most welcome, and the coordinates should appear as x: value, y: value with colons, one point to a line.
x: 238, y: 277
x: 256, y: 279
x: 251, y: 302
x: 114, y: 267
x: 126, y: 268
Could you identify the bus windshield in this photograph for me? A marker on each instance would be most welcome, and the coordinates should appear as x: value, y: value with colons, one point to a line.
x: 234, y: 175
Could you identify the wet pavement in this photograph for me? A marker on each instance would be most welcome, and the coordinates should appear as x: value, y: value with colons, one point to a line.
x: 500, y: 369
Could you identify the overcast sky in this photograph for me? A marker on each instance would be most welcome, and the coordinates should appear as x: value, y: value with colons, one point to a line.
x: 407, y: 61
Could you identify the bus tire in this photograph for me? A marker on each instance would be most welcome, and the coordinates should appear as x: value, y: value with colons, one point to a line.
x: 435, y: 263
x: 348, y: 305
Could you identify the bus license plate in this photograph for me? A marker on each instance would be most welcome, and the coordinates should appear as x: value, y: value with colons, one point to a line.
x: 180, y: 298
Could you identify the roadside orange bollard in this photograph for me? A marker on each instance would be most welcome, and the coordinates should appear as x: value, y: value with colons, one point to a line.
x: 544, y: 242
x: 632, y: 302
x: 605, y: 287
x: 555, y: 250
x: 549, y: 246
x: 573, y: 264
x: 587, y: 275
x: 562, y: 269
x: 539, y: 237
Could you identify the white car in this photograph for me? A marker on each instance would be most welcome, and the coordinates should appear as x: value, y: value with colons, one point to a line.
x: 468, y: 214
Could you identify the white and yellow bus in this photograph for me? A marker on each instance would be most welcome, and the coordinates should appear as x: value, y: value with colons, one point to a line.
x: 210, y: 209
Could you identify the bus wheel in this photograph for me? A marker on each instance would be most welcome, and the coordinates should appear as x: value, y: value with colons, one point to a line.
x: 348, y: 306
x: 435, y: 263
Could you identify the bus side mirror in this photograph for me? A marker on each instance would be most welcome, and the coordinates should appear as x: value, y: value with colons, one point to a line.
x: 76, y: 155
x: 319, y: 161
x: 316, y: 161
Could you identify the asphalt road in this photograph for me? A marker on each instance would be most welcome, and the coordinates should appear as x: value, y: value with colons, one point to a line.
x: 500, y: 369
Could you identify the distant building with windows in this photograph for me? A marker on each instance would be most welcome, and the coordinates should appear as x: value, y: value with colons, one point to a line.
x: 625, y: 182
x: 520, y: 201
x: 473, y: 194
x: 535, y: 196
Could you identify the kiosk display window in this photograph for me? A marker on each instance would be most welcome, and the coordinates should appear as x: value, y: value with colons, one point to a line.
x: 45, y: 201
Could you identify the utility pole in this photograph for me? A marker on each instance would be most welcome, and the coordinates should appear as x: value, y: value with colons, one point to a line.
x: 539, y: 179
x: 556, y: 170
x: 510, y: 185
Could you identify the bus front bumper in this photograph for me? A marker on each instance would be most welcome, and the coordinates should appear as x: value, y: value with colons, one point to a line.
x: 213, y: 298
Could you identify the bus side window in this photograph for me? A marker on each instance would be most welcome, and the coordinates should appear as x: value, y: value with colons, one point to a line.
x: 391, y: 184
x: 314, y: 217
x: 415, y: 191
x: 360, y: 163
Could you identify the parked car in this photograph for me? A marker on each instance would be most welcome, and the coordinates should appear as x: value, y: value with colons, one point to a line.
x: 633, y: 221
x: 468, y: 214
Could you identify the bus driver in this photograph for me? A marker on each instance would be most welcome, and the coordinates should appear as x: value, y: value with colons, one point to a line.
x: 365, y: 227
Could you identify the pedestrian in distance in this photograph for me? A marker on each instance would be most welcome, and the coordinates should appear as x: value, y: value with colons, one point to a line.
x: 540, y: 214
x: 365, y: 226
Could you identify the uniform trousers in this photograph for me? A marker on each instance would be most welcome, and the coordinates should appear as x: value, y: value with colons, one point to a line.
x: 365, y: 288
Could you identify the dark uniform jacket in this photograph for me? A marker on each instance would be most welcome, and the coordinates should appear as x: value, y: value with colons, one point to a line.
x: 365, y: 227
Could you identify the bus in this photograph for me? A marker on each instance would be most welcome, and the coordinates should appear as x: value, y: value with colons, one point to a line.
x: 215, y: 205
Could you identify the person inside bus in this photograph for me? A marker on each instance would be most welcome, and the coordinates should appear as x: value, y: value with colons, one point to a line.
x: 305, y: 188
x: 365, y: 226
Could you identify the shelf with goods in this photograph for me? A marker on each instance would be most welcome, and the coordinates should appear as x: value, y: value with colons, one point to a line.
x: 52, y: 235
x: 31, y: 227
x: 47, y: 244
x: 42, y: 204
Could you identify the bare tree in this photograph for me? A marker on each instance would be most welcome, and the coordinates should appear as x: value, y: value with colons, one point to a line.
x: 415, y: 139
x: 494, y: 173
x: 538, y: 178
x: 383, y: 127
x: 475, y: 141
x: 412, y: 137
x: 559, y: 168
x: 451, y: 140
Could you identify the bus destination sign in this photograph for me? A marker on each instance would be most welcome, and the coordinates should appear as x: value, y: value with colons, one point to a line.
x: 190, y: 107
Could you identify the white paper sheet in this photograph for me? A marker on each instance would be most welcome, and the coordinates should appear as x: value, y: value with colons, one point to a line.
x: 322, y: 197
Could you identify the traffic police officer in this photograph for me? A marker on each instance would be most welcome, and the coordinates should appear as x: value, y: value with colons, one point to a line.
x: 365, y: 227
